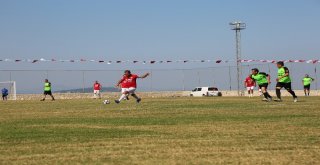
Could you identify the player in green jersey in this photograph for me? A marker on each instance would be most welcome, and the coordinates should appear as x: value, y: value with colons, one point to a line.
x: 47, y: 90
x: 263, y: 80
x: 284, y: 81
x: 306, y: 81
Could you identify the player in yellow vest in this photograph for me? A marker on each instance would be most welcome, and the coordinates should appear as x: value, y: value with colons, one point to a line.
x: 47, y: 90
x: 306, y: 81
x: 284, y: 81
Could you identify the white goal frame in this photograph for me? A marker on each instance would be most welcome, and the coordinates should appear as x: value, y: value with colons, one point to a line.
x: 12, y: 89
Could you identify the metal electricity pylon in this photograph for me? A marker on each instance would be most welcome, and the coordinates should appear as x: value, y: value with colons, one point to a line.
x: 238, y: 26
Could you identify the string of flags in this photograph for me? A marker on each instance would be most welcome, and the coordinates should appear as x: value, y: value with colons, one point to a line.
x: 109, y: 61
x: 154, y: 61
x: 285, y: 61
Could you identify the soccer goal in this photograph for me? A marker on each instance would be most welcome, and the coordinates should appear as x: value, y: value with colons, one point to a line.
x: 11, y: 86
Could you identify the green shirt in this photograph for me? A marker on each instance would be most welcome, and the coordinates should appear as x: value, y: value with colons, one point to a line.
x: 260, y: 78
x: 281, y: 72
x: 47, y: 86
x: 307, y: 81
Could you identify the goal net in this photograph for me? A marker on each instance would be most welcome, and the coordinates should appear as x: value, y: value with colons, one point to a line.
x: 11, y: 87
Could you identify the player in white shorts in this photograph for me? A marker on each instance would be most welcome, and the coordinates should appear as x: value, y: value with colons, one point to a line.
x: 249, y: 84
x: 128, y: 85
x: 96, y: 90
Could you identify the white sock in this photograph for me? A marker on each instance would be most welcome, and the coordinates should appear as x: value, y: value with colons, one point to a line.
x: 122, y: 97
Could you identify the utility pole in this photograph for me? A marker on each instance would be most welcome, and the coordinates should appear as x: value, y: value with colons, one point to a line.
x: 238, y: 26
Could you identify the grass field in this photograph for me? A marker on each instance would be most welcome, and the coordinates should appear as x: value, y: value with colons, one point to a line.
x: 161, y: 131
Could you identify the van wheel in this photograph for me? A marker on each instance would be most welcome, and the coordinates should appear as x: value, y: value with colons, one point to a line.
x: 204, y: 95
x: 219, y: 94
x: 191, y: 95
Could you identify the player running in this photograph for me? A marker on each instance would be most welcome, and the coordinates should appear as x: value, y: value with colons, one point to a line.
x: 249, y: 84
x: 306, y: 81
x: 284, y: 81
x: 263, y: 80
x: 128, y: 85
x: 47, y: 90
x: 96, y: 90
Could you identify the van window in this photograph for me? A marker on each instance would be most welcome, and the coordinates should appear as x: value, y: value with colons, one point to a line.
x: 199, y: 89
x: 213, y: 89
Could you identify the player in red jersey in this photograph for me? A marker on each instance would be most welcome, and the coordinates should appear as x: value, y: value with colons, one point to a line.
x: 96, y: 90
x: 249, y: 84
x: 128, y: 85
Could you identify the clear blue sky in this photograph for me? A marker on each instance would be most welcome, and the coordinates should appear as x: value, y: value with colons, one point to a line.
x: 154, y: 30
x: 163, y: 29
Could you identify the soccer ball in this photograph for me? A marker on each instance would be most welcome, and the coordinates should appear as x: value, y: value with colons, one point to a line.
x: 106, y: 102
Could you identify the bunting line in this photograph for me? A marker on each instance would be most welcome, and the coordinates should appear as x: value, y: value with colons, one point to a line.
x: 285, y: 61
x: 153, y: 61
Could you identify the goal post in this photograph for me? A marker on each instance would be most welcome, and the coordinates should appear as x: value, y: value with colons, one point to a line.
x: 11, y: 86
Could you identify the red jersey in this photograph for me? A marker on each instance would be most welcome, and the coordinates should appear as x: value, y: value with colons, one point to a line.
x: 249, y: 82
x: 129, y: 82
x: 96, y: 86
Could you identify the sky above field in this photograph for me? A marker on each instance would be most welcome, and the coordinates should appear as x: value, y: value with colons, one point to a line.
x: 155, y: 30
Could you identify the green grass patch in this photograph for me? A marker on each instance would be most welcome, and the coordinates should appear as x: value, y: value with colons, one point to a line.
x: 226, y: 130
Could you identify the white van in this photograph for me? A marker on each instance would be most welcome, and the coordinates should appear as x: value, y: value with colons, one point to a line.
x: 205, y: 91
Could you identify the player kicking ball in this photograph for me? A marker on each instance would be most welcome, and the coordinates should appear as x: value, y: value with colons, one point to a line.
x: 128, y: 85
x: 263, y: 80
